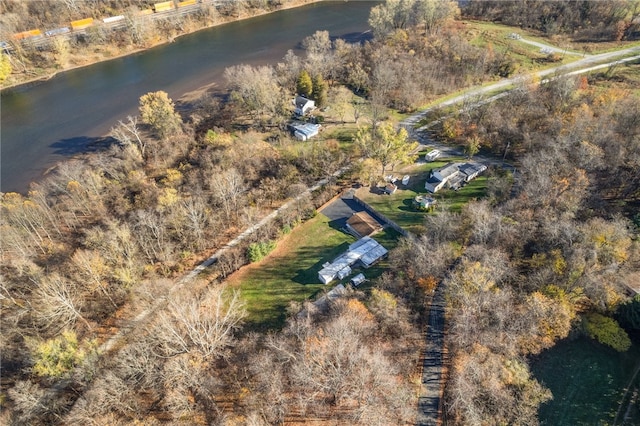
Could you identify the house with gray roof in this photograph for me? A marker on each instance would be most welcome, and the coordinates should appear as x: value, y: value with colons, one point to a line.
x: 453, y: 175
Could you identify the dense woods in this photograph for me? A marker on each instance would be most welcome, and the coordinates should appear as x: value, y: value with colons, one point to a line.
x: 550, y: 252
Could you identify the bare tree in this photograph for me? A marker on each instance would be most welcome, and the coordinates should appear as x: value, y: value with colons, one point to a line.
x: 203, y: 326
x: 227, y: 187
x: 128, y: 133
x: 57, y: 303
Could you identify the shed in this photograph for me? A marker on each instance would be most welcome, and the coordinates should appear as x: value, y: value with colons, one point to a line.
x: 305, y: 131
x: 389, y: 188
x: 357, y: 280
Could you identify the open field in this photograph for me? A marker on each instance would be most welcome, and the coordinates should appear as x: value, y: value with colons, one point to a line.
x: 587, y: 380
x: 398, y: 206
x: 290, y: 272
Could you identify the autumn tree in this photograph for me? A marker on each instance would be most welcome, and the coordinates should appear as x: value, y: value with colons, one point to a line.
x: 391, y: 15
x: 158, y: 112
x: 5, y: 67
x: 256, y: 91
x: 386, y: 145
x: 434, y: 13
x: 57, y: 357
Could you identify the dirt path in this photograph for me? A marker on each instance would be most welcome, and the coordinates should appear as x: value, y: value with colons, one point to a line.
x: 433, y: 363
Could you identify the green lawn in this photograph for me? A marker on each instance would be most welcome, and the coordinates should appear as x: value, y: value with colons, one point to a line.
x: 398, y: 206
x: 290, y: 273
x: 587, y: 381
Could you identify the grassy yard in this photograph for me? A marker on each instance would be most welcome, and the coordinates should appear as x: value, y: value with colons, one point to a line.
x: 290, y: 272
x: 587, y: 381
x: 398, y: 206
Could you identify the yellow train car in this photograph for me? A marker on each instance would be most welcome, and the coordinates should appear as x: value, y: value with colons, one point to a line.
x: 27, y: 34
x: 146, y: 12
x: 186, y: 3
x: 81, y: 24
x: 163, y: 7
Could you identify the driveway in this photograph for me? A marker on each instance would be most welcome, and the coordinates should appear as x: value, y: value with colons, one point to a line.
x: 340, y: 210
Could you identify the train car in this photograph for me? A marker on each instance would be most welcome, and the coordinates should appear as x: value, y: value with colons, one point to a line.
x: 112, y: 19
x: 186, y: 3
x: 27, y: 34
x: 163, y: 6
x: 57, y: 31
x: 81, y: 24
x: 146, y: 12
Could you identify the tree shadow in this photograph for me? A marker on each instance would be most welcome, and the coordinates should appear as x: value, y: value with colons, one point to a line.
x: 407, y: 206
x: 82, y: 144
x: 310, y: 275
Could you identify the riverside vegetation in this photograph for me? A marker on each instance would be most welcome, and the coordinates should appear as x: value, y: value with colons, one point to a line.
x: 548, y: 253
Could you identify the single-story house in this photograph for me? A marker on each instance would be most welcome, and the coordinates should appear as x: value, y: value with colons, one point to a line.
x: 366, y: 251
x: 362, y: 224
x: 305, y: 131
x: 453, y: 175
x: 472, y: 170
x: 303, y: 105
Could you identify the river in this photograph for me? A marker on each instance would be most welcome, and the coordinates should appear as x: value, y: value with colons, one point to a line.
x: 46, y: 122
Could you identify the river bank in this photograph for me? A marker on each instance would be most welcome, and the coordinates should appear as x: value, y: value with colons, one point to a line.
x: 104, y: 56
x: 50, y: 121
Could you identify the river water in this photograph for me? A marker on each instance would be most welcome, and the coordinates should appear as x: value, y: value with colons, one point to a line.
x: 46, y: 122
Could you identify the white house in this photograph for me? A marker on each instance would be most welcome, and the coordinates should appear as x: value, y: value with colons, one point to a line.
x: 366, y: 251
x: 453, y: 175
x: 303, y: 105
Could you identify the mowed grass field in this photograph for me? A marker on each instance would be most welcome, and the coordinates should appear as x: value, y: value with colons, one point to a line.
x: 290, y: 272
x: 399, y: 208
x: 588, y: 381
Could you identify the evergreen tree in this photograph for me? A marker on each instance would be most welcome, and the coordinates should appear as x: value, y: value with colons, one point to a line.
x: 305, y: 84
x: 319, y: 91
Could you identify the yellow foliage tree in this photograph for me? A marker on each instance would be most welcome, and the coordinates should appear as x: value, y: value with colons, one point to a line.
x: 158, y: 111
x: 5, y: 67
x: 58, y: 356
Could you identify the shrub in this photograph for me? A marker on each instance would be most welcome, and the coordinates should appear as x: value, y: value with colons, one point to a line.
x: 258, y: 251
x: 607, y: 331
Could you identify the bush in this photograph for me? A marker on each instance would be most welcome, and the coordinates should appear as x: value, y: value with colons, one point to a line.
x: 607, y: 331
x: 258, y: 251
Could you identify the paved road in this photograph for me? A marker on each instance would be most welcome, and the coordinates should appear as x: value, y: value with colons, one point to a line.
x: 474, y: 96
